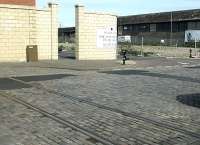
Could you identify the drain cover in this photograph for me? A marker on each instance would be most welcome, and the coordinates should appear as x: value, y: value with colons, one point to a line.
x: 190, y: 99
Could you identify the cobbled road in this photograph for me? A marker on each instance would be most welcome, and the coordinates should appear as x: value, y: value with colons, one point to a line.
x: 136, y: 105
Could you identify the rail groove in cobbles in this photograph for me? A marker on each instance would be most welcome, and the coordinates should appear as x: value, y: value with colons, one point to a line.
x: 60, y: 120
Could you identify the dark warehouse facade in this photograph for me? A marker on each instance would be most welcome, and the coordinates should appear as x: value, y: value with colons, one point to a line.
x: 66, y: 34
x: 168, y: 26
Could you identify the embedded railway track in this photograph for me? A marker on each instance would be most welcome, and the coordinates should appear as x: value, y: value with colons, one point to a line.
x: 103, y: 140
x: 95, y: 137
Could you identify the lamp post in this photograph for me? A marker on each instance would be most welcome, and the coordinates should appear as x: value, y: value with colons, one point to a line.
x: 171, y: 33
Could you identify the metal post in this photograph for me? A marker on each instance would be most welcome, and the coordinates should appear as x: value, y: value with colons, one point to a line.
x: 195, y: 41
x: 142, y: 46
x: 124, y: 57
x: 50, y: 4
x: 171, y: 29
x: 190, y: 53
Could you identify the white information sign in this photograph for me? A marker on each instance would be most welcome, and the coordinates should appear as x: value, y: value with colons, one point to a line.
x: 192, y: 36
x: 107, y: 37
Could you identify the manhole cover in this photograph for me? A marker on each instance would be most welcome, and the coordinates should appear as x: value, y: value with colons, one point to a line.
x: 190, y: 99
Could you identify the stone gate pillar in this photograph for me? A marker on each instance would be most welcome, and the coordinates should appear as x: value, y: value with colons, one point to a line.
x: 96, y: 35
x: 54, y: 30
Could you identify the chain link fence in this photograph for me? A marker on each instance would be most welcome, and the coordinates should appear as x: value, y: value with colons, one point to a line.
x: 154, y: 46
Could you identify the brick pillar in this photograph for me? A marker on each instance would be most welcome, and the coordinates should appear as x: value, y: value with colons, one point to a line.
x: 54, y: 30
x: 79, y: 23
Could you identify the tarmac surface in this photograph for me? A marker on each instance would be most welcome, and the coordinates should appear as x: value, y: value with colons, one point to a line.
x: 153, y: 101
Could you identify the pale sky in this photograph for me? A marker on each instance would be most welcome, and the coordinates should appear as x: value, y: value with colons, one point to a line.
x: 118, y: 7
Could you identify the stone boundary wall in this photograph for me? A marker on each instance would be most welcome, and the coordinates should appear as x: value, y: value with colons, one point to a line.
x: 21, y: 26
x: 165, y: 51
x: 87, y: 25
x: 180, y: 52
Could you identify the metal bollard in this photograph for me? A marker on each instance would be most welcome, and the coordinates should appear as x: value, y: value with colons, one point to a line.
x: 124, y: 57
x: 190, y: 53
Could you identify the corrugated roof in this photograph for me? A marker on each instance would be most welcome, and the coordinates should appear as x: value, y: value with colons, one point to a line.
x: 185, y: 15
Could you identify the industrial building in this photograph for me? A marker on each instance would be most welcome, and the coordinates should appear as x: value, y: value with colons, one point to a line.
x: 66, y: 34
x: 154, y: 27
x: 167, y: 26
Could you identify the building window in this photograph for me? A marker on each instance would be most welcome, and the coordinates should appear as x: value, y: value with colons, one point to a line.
x: 194, y: 25
x: 141, y: 28
x: 120, y: 30
x: 175, y: 27
x: 198, y: 25
x: 182, y: 26
x: 125, y: 27
x: 163, y: 27
x: 191, y: 25
x: 152, y: 27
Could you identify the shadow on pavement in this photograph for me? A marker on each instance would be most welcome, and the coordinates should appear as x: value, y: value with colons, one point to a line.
x: 194, y: 67
x: 9, y: 84
x: 150, y: 74
x: 190, y: 99
x: 42, y: 77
